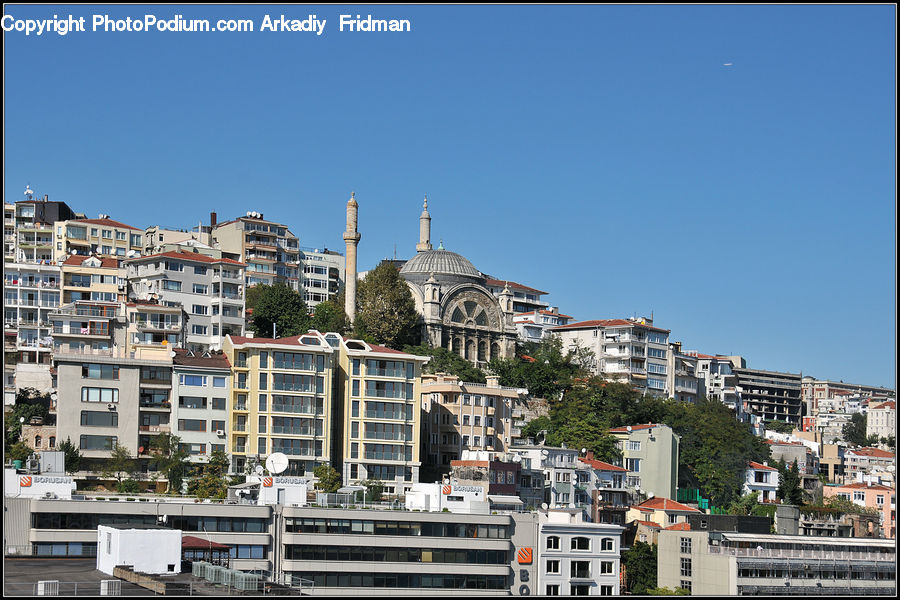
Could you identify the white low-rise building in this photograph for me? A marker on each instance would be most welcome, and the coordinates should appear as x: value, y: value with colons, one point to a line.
x: 435, y: 497
x: 151, y: 549
x: 761, y: 478
x: 577, y: 558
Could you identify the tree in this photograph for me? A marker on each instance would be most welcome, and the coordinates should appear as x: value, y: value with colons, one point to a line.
x: 889, y: 441
x: 72, y: 456
x: 780, y: 426
x: 664, y: 591
x: 330, y: 316
x: 329, y: 480
x: 385, y: 310
x: 789, y: 488
x: 640, y: 567
x: 119, y: 463
x: 447, y: 361
x: 374, y: 490
x: 872, y: 440
x: 169, y: 459
x: 744, y: 505
x: 281, y: 306
x: 542, y: 367
x: 535, y: 426
x: 128, y: 486
x: 29, y: 404
x: 854, y: 432
x: 213, y: 483
x: 19, y: 451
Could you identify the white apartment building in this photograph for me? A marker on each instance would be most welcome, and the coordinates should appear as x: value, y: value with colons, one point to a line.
x: 682, y: 382
x: 716, y: 378
x: 102, y: 236
x: 211, y: 291
x: 577, y: 558
x: 629, y: 351
x: 761, y: 478
x: 556, y: 468
x: 881, y: 419
x: 813, y: 391
x: 535, y: 325
x: 321, y: 275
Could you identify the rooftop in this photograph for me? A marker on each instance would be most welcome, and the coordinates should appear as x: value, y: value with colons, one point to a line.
x: 608, y: 323
x: 664, y: 504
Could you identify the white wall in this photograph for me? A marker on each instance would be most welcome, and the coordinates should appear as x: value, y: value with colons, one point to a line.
x: 150, y: 551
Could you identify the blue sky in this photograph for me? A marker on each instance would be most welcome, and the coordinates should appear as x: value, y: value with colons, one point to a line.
x: 604, y: 154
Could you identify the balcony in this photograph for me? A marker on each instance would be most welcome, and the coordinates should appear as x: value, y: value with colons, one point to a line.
x: 157, y: 326
x: 82, y: 331
x: 107, y: 312
x: 153, y: 405
x: 154, y: 428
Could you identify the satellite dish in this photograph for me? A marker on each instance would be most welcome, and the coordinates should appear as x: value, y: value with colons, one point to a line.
x: 629, y: 428
x: 544, y: 505
x: 172, y: 354
x: 259, y: 470
x: 276, y: 463
x: 584, y: 450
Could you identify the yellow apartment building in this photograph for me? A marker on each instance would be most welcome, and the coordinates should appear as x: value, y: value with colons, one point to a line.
x: 97, y: 236
x: 94, y: 278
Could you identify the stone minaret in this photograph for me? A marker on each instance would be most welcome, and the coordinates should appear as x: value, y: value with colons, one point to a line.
x: 351, y: 238
x: 424, y: 230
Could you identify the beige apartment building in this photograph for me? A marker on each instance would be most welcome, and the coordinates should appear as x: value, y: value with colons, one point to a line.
x: 813, y: 391
x: 467, y: 416
x: 102, y: 236
x: 93, y: 278
x: 650, y: 453
x: 269, y: 250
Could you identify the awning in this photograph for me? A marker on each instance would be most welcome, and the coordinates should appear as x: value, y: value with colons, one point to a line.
x: 512, y: 500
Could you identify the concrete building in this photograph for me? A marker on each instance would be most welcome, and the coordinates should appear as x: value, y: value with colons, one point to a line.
x: 159, y: 239
x: 716, y: 378
x: 536, y: 325
x: 211, y: 291
x: 269, y: 250
x: 322, y: 275
x: 151, y: 549
x: 650, y: 454
x: 806, y: 458
x: 873, y: 496
x: 102, y: 236
x: 605, y: 487
x: 282, y: 400
x: 578, y: 558
x: 378, y: 423
x: 682, y: 382
x: 461, y: 416
x: 881, y: 420
x: 769, y: 395
x: 201, y: 392
x: 96, y: 278
x: 761, y: 478
x: 486, y: 470
x: 554, y: 468
x: 862, y: 461
x: 630, y: 351
x: 662, y: 511
x: 814, y: 391
x: 152, y: 325
x: 9, y: 232
x: 740, y: 564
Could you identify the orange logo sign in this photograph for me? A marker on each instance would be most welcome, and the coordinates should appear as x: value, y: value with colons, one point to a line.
x: 25, y: 481
x: 267, y: 482
x: 524, y: 556
x: 447, y: 489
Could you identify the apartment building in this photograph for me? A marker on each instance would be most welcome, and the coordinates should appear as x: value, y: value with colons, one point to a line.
x: 662, y: 511
x: 524, y: 298
x: 30, y: 294
x: 814, y: 391
x: 536, y: 325
x: 650, y: 454
x: 322, y: 274
x: 96, y: 278
x: 709, y: 563
x: 102, y: 236
x: 769, y: 395
x: 682, y: 382
x: 269, y: 250
x: 282, y: 400
x: 806, y: 458
x: 157, y: 239
x: 862, y: 461
x: 9, y: 232
x: 467, y: 416
x: 378, y: 426
x: 716, y: 378
x: 555, y: 468
x: 873, y: 496
x: 578, y: 558
x: 28, y: 231
x: 605, y: 485
x: 201, y: 392
x: 630, y: 351
x: 34, y: 243
x: 881, y: 419
x: 152, y: 325
x: 211, y: 291
x: 762, y: 479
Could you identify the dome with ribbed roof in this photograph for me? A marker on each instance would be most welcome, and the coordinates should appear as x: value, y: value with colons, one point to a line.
x: 445, y: 265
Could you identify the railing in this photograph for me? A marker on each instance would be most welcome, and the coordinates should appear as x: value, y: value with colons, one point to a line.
x: 155, y: 428
x: 89, y: 312
x: 152, y: 404
x: 802, y: 554
x: 80, y: 331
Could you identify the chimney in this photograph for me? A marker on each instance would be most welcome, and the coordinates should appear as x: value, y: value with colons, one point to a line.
x: 212, y: 221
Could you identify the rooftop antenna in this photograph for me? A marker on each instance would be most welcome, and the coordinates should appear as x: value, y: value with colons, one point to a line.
x: 395, y: 250
x: 29, y: 193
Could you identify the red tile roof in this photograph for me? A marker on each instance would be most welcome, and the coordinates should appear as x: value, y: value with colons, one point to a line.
x: 664, y: 504
x: 191, y: 542
x: 216, y: 360
x: 512, y: 284
x: 608, y: 323
x: 649, y: 524
x: 78, y: 259
x: 601, y: 466
x: 864, y: 486
x: 876, y: 452
x: 889, y: 404
x: 633, y: 428
x: 189, y: 256
x: 760, y: 467
x: 105, y: 222
x: 679, y: 527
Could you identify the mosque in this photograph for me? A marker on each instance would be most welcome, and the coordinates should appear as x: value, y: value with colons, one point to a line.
x: 457, y: 310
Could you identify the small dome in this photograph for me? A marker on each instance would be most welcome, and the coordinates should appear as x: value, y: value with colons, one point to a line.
x: 441, y: 263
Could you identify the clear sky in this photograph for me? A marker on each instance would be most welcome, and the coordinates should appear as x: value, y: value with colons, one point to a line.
x: 605, y: 154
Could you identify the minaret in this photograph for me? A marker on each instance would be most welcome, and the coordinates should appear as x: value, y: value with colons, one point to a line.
x: 351, y: 238
x: 424, y: 230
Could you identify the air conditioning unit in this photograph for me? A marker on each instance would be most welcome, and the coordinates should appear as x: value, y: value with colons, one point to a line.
x: 220, y: 432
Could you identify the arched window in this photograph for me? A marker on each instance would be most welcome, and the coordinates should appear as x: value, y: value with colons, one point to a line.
x: 553, y: 542
x: 482, y: 351
x: 37, y: 442
x: 581, y: 543
x: 470, y: 350
x: 52, y: 442
x: 607, y: 544
x: 495, y: 350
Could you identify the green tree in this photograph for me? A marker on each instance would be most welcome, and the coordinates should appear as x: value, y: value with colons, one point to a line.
x: 29, y: 404
x: 72, y: 456
x: 447, y: 361
x: 780, y: 426
x: 281, y: 306
x: 890, y: 442
x: 385, y: 310
x: 329, y: 480
x: 640, y: 567
x: 119, y: 463
x: 128, y: 486
x: 664, y: 591
x: 543, y: 368
x: 744, y: 505
x: 374, y: 490
x: 872, y: 440
x: 330, y: 316
x: 19, y: 451
x: 212, y: 483
x: 535, y: 426
x: 854, y: 431
x: 789, y: 488
x: 170, y: 459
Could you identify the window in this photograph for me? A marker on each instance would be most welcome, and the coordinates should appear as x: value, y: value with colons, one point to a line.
x: 200, y: 288
x: 264, y: 381
x: 219, y: 382
x: 264, y: 361
x: 859, y: 496
x: 879, y: 500
x: 199, y: 309
x: 633, y: 445
x: 607, y: 544
x: 192, y: 380
x: 92, y: 371
x: 553, y: 590
x: 107, y: 234
x: 580, y: 568
x: 90, y: 418
x: 121, y: 236
x: 191, y: 425
x: 262, y: 403
x: 217, y: 425
x: 98, y: 442
x: 553, y: 542
x: 262, y: 425
x: 685, y: 567
x: 90, y: 394
x: 685, y: 545
x: 198, y: 329
x: 633, y: 464
x: 686, y: 584
x: 553, y: 566
x: 218, y: 403
x: 606, y: 567
x: 173, y: 286
x: 191, y: 402
x: 581, y: 543
x: 172, y: 265
x: 198, y: 270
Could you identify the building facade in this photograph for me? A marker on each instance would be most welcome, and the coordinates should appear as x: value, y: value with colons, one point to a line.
x: 578, y: 558
x: 201, y: 392
x: 650, y: 454
x: 102, y: 236
x: 269, y: 250
x: 769, y: 395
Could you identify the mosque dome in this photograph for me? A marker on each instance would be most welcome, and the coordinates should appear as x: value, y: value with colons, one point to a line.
x: 445, y: 265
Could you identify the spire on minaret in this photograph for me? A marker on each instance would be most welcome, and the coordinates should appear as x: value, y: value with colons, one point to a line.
x: 351, y: 238
x: 424, y: 229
